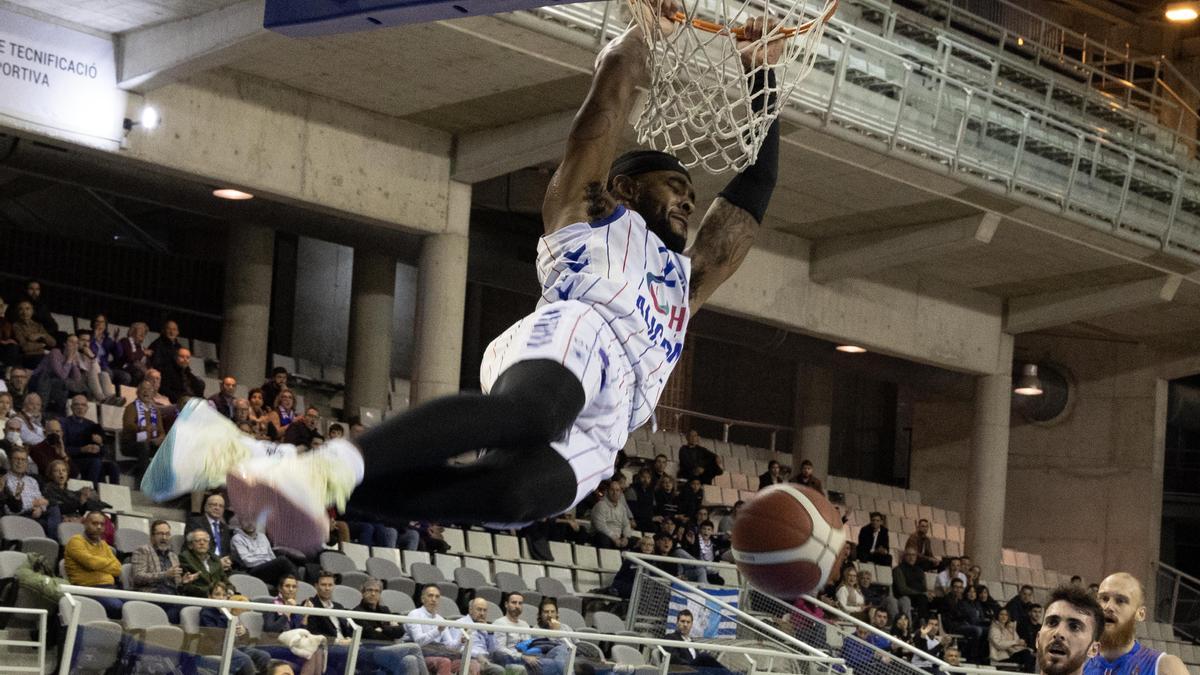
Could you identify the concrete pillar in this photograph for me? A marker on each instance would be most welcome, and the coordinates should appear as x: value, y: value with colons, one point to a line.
x: 250, y: 253
x: 814, y: 417
x: 369, y: 340
x: 441, y: 299
x: 988, y: 470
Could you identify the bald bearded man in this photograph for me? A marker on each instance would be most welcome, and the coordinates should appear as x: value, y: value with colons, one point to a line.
x: 1122, y: 600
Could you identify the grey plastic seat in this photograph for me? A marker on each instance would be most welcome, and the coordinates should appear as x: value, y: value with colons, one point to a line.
x: 346, y: 596
x: 397, y: 602
x: 128, y: 540
x: 127, y: 576
x: 151, y: 621
x: 16, y: 528
x: 89, y: 610
x: 189, y: 620
x: 10, y: 562
x: 354, y: 579
x: 249, y: 586
x: 98, y: 645
x: 425, y: 574
x: 605, y: 622
x: 448, y: 609
x: 390, y: 574
x: 304, y: 591
x: 338, y: 563
x: 48, y: 548
x: 572, y: 618
x: 253, y: 621
x: 68, y: 530
x: 627, y: 655
x: 553, y: 588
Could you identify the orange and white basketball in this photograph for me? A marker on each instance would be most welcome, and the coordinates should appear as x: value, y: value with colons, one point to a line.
x: 788, y: 540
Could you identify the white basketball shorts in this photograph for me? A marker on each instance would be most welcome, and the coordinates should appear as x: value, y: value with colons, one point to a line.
x: 575, y: 335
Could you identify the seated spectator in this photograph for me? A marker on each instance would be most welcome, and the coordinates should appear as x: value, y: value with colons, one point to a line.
x: 154, y: 377
x: 807, y: 479
x: 32, y: 419
x: 60, y: 375
x: 865, y: 651
x: 610, y: 519
x: 303, y: 433
x: 104, y: 345
x: 772, y: 476
x: 389, y: 658
x: 41, y: 311
x: 514, y: 604
x: 849, y: 598
x: 6, y: 406
x: 1033, y: 624
x: 132, y: 357
x: 959, y: 619
x: 903, y: 632
x: 688, y: 656
x: 930, y: 640
x: 84, y: 440
x: 700, y: 544
x: 254, y: 551
x: 876, y: 595
x: 991, y: 608
x: 908, y: 585
x: 225, y: 398
x: 725, y: 527
x: 178, y: 382
x: 99, y: 381
x: 640, y: 498
x: 284, y: 620
x: 389, y: 631
x: 364, y: 531
x: 920, y: 542
x: 245, y: 660
x: 485, y: 653
x: 283, y: 412
x: 162, y: 350
x: 873, y: 542
x: 947, y: 576
x: 156, y: 568
x: 212, y: 521
x: 31, y: 337
x: 272, y: 387
x: 142, y: 427
x: 198, y: 558
x: 72, y: 505
x: 337, y: 629
x: 441, y: 651
x: 27, y: 494
x: 91, y: 562
x: 260, y: 415
x: 691, y: 498
x: 18, y: 387
x: 10, y: 349
x: 697, y: 461
x: 974, y: 572
x: 50, y: 449
x: 336, y: 430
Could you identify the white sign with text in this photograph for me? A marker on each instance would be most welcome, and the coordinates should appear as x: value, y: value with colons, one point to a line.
x: 59, y: 81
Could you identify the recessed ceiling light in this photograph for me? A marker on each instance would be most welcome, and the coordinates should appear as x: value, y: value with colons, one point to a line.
x: 230, y: 193
x: 1181, y: 12
x: 851, y: 349
x: 150, y: 118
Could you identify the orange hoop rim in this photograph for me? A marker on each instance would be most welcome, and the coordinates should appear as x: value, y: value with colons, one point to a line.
x: 739, y: 32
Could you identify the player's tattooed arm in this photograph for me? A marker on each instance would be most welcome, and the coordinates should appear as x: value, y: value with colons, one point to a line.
x: 726, y: 234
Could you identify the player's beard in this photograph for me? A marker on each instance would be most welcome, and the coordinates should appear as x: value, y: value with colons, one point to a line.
x: 1117, y: 636
x: 658, y: 221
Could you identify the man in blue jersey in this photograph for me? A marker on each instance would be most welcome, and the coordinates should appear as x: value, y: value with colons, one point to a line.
x: 1070, y: 632
x: 563, y: 387
x: 1121, y: 599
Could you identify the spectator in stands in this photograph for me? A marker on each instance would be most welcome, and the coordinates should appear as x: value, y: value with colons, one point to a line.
x: 284, y: 620
x: 212, y: 521
x: 666, y: 499
x: 772, y: 476
x: 50, y: 449
x: 688, y: 656
x: 84, y: 440
x: 132, y: 357
x: 18, y: 386
x: 41, y: 311
x: 372, y: 590
x: 485, y: 645
x: 640, y: 498
x: 953, y: 571
x: 32, y: 420
x: 156, y: 568
x: 336, y: 430
x: 143, y: 427
x: 24, y: 488
x: 725, y: 527
x: 700, y: 544
x: 277, y: 667
x: 72, y: 505
x: 865, y: 651
x: 923, y: 545
x: 260, y: 415
x: 1018, y: 609
x: 930, y: 640
x: 10, y: 349
x: 225, y: 398
x: 162, y: 350
x: 903, y: 632
x: 245, y: 660
x: 254, y: 551
x: 283, y: 413
x: 104, y: 345
x: 807, y: 478
x: 91, y: 562
x: 513, y: 604
x: 873, y: 542
x: 364, y: 531
x: 660, y: 468
x: 6, y: 406
x: 876, y: 595
x: 1077, y: 581
x: 198, y: 557
x: 437, y: 642
x: 1006, y: 647
x: 12, y: 437
x: 610, y: 520
x: 272, y: 387
x: 908, y: 585
x: 392, y: 657
x: 99, y: 381
x: 1093, y: 590
x: 990, y: 607
x: 154, y: 377
x: 178, y: 382
x: 336, y: 629
x: 849, y: 598
x: 957, y: 619
x: 691, y: 497
x: 697, y: 461
x: 60, y: 375
x: 31, y: 336
x: 974, y: 572
x: 1029, y: 633
x: 302, y: 434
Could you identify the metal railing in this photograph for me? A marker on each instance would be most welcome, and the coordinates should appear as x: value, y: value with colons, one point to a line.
x: 353, y: 647
x: 39, y: 645
x: 873, y: 92
x: 1178, y: 600
x: 727, y: 423
x: 811, y: 625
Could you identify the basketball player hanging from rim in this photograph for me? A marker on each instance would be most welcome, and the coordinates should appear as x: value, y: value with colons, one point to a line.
x: 565, y: 385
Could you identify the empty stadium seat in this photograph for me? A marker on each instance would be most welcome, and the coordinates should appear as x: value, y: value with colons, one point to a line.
x: 386, y: 571
x: 251, y: 587
x: 425, y: 574
x: 397, y: 602
x: 333, y: 561
x: 346, y: 596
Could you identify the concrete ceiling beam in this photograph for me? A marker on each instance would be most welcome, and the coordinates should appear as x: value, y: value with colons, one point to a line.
x: 859, y: 254
x: 1047, y: 310
x: 489, y: 153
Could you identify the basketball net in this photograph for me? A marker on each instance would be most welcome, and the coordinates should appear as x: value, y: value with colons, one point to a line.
x: 700, y: 107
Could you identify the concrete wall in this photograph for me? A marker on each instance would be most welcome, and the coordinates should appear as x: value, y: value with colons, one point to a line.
x: 1084, y: 490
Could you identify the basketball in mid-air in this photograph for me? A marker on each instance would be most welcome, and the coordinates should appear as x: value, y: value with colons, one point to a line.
x: 788, y: 541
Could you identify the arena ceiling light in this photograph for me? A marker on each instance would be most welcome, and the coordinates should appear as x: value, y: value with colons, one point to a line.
x: 851, y: 349
x: 1028, y: 383
x: 232, y: 194
x: 148, y: 119
x: 1182, y: 12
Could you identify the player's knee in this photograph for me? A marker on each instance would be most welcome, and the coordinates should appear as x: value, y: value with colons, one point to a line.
x: 545, y: 392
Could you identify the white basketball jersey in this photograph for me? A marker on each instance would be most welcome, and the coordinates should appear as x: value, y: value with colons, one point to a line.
x: 635, y: 282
